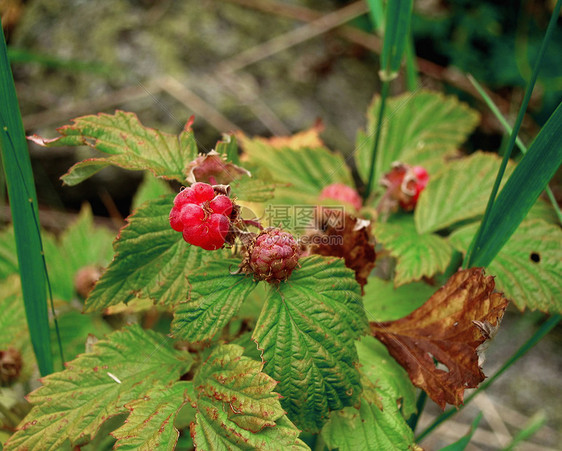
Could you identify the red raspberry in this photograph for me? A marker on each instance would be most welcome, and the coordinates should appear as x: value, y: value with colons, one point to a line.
x: 404, y: 184
x: 343, y: 193
x: 273, y: 256
x: 202, y: 216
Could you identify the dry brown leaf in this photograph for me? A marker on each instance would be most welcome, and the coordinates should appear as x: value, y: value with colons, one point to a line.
x: 306, y: 138
x: 446, y: 328
x: 348, y: 239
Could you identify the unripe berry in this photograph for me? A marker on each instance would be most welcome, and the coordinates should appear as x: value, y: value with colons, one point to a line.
x: 404, y: 184
x: 342, y: 193
x: 273, y: 256
x: 202, y: 216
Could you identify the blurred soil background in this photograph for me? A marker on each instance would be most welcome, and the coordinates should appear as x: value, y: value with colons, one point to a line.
x: 273, y: 68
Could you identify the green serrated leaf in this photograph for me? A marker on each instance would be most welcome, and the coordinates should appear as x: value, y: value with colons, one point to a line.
x: 376, y: 424
x: 129, y: 144
x: 252, y: 189
x: 82, y: 244
x: 529, y: 267
x: 418, y: 255
x: 301, y: 173
x: 458, y: 192
x: 386, y: 374
x: 384, y: 301
x: 151, y: 260
x: 307, y: 330
x: 418, y: 128
x: 150, y: 425
x: 150, y: 188
x: 215, y: 296
x: 74, y: 328
x: 73, y: 404
x: 237, y: 408
x: 228, y: 147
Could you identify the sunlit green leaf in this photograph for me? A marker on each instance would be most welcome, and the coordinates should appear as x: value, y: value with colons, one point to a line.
x: 150, y: 425
x: 307, y: 330
x: 418, y: 128
x: 237, y: 408
x: 457, y: 193
x: 384, y: 301
x: 151, y: 260
x: 150, y: 188
x: 130, y: 145
x: 215, y: 296
x: 418, y: 255
x: 72, y: 405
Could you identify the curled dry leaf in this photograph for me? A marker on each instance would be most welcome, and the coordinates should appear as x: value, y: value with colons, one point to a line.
x: 347, y: 239
x: 212, y: 168
x: 445, y: 329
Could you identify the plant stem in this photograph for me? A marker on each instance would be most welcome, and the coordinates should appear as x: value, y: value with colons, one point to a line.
x: 384, y: 95
x: 545, y: 328
x: 475, y: 244
x: 319, y: 444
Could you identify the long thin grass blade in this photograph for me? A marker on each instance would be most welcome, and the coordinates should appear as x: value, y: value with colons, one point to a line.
x: 23, y: 203
x: 522, y: 190
x: 479, y: 238
x: 396, y: 32
x: 495, y: 110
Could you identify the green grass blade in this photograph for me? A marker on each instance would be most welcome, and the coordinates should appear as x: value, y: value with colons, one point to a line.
x: 495, y: 110
x: 23, y: 203
x: 376, y: 14
x: 480, y: 237
x: 521, y: 191
x: 536, y: 422
x: 396, y: 32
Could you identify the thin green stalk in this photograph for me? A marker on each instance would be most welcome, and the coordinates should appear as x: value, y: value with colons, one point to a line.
x: 420, y: 404
x: 476, y: 242
x: 545, y: 328
x: 412, y: 79
x: 495, y: 110
x: 384, y: 95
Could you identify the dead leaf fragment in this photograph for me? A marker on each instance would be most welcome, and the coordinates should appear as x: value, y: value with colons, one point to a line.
x: 212, y: 168
x: 444, y: 329
x: 347, y: 238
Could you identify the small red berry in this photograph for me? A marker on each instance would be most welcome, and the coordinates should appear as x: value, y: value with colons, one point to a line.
x: 343, y: 193
x: 404, y: 184
x: 273, y: 256
x: 202, y: 216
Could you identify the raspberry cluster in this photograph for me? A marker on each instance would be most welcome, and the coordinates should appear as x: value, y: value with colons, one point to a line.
x: 343, y: 193
x: 273, y: 256
x: 202, y: 215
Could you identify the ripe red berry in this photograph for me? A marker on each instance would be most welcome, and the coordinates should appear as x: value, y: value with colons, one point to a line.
x: 273, y: 256
x: 202, y: 216
x: 343, y: 193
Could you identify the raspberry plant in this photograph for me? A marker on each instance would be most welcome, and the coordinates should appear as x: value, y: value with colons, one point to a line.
x: 281, y: 334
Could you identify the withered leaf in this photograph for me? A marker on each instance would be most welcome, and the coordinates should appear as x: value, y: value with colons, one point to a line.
x: 347, y: 239
x: 444, y: 329
x: 306, y: 138
x: 212, y: 168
